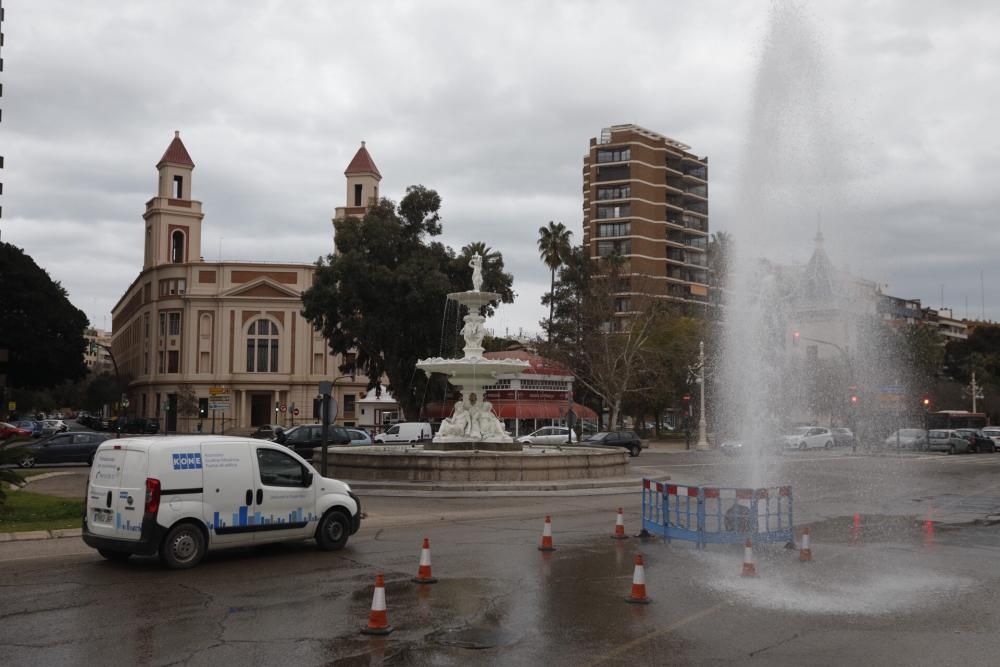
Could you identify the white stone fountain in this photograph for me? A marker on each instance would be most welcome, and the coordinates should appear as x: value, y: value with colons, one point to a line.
x: 473, y: 424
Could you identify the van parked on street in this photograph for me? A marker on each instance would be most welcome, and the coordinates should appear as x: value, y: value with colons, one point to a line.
x: 182, y: 496
x: 406, y: 432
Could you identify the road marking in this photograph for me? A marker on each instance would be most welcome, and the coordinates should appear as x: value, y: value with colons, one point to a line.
x: 624, y: 648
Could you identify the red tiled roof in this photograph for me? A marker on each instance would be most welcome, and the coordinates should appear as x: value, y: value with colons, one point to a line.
x: 176, y: 152
x: 362, y: 163
x: 539, y: 365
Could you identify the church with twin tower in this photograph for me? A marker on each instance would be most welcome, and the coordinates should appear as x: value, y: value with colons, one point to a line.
x: 230, y: 334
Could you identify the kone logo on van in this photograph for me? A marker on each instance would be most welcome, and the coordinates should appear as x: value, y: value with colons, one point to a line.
x: 191, y: 461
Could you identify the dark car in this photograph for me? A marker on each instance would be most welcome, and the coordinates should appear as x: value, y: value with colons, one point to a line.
x: 68, y: 447
x: 627, y: 439
x: 306, y: 437
x: 981, y: 443
x: 29, y: 425
x: 267, y: 432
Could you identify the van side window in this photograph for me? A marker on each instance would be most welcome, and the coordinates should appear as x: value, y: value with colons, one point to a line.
x: 278, y: 469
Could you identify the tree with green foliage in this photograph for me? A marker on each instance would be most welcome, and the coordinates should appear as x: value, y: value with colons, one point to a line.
x: 382, y: 293
x: 554, y: 247
x: 41, y: 329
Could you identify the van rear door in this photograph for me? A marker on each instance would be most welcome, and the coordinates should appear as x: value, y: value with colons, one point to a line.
x: 116, y: 493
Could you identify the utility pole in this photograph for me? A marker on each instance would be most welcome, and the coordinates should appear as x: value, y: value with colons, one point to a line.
x: 702, y: 444
x: 976, y: 391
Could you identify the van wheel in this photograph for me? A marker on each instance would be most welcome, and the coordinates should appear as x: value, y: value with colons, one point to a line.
x: 333, y: 531
x: 951, y: 449
x: 828, y: 445
x: 119, y: 556
x: 634, y: 450
x: 183, y: 547
x: 26, y: 461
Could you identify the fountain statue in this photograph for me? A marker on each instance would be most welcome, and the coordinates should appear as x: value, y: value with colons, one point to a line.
x: 473, y: 424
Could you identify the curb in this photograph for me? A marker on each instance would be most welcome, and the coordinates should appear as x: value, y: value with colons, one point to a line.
x: 28, y: 535
x: 36, y: 478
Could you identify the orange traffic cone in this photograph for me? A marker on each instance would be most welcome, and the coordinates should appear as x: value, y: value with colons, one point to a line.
x: 638, y: 595
x: 620, y: 526
x: 856, y: 530
x: 749, y: 569
x: 805, y: 553
x: 424, y: 575
x: 546, y: 544
x: 378, y: 621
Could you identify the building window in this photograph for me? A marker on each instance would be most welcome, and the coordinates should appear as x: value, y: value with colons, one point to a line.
x: 173, y: 361
x: 622, y: 192
x: 262, y: 347
x: 349, y: 403
x: 174, y: 322
x: 605, y: 248
x: 159, y: 366
x: 178, y: 187
x: 614, y: 155
x: 623, y: 211
x: 163, y: 325
x: 350, y: 363
x: 614, y: 229
x: 623, y: 304
x: 358, y: 189
x: 177, y: 247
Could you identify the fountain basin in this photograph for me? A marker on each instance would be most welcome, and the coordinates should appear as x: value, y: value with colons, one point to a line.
x: 415, y: 464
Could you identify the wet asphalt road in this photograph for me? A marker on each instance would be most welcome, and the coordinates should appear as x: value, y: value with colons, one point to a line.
x: 911, y: 593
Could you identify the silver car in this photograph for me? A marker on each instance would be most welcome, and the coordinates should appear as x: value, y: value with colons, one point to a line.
x: 550, y: 435
x: 950, y: 441
x: 907, y: 438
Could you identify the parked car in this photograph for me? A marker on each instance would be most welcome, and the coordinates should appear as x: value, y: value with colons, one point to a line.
x: 144, y: 496
x: 981, y: 443
x: 30, y: 425
x: 50, y: 426
x: 359, y: 436
x: 809, y: 437
x: 266, y: 432
x: 406, y: 432
x: 993, y: 433
x: 69, y: 447
x: 627, y: 439
x: 843, y: 437
x: 549, y: 435
x: 303, y: 439
x: 8, y: 431
x: 947, y: 440
x: 907, y: 438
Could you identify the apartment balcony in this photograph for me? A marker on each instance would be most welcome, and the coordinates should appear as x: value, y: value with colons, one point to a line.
x: 697, y: 224
x: 700, y: 173
x: 613, y: 173
x: 696, y: 206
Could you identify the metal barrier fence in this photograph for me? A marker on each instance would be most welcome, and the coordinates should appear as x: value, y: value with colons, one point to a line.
x: 715, y: 514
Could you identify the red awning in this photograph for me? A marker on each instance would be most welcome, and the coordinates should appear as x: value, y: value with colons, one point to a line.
x: 509, y: 409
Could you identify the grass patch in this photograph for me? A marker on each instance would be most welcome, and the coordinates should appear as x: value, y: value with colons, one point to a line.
x: 24, y: 510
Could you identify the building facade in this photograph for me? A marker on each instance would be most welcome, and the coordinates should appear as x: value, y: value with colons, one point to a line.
x: 645, y: 198
x: 226, y: 336
x: 96, y: 355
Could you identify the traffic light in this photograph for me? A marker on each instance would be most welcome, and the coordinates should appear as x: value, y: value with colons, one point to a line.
x: 795, y: 338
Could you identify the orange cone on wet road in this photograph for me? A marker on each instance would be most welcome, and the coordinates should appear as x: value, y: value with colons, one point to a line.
x: 378, y: 620
x: 805, y: 552
x: 620, y: 526
x: 424, y: 575
x: 546, y: 544
x: 856, y: 530
x: 638, y: 595
x: 749, y: 569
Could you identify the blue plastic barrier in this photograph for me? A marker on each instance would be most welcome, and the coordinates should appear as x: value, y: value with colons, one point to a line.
x: 717, y: 515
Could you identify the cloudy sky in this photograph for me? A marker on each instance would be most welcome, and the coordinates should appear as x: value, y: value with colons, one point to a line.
x: 875, y: 118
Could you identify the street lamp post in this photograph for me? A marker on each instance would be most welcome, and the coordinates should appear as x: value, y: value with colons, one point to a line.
x: 702, y: 444
x: 118, y: 383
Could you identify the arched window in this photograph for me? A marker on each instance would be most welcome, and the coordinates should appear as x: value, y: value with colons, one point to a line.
x: 177, y: 247
x: 262, y: 347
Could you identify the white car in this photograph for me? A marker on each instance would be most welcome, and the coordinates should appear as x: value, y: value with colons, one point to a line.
x: 993, y: 433
x: 549, y: 435
x: 50, y: 426
x: 809, y: 437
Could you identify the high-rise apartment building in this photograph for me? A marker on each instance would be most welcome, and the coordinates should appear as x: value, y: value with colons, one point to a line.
x: 645, y: 198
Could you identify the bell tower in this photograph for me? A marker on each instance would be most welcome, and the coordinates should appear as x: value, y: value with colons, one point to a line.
x: 173, y: 219
x: 363, y: 178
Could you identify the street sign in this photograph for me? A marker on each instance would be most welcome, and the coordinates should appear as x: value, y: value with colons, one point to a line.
x: 295, y: 412
x: 12, y: 405
x: 217, y: 391
x: 283, y: 407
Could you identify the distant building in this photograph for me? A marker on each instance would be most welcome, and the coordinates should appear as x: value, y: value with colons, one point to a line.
x: 96, y: 355
x: 899, y: 312
x: 950, y: 327
x: 229, y: 332
x: 645, y: 198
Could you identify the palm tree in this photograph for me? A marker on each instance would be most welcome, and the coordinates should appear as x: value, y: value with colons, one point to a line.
x: 480, y: 248
x: 553, y: 247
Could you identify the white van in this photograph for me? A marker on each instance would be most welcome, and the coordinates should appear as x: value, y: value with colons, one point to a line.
x: 406, y: 432
x: 183, y: 495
